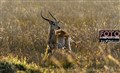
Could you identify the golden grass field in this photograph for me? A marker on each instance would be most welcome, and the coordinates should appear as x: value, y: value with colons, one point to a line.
x: 24, y: 36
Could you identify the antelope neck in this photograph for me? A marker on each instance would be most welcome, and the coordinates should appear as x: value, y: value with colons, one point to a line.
x: 51, y: 34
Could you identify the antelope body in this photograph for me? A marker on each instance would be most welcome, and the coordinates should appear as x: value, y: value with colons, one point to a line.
x: 62, y: 40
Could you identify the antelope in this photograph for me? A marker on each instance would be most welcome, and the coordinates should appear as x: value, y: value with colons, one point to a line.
x: 57, y: 37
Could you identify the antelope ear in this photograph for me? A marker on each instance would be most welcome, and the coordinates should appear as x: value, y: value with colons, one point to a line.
x: 58, y: 21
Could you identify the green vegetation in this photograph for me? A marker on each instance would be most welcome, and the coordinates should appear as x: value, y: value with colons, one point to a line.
x: 23, y: 36
x: 13, y: 64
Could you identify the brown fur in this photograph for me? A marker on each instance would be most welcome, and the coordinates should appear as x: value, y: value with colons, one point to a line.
x: 62, y: 39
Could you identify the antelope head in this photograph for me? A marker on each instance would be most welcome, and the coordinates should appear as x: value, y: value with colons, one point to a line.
x: 54, y: 24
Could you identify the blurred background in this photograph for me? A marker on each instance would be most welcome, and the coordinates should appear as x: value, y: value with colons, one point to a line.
x: 23, y: 33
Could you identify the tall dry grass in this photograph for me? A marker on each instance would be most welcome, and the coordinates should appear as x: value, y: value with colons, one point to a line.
x: 23, y: 32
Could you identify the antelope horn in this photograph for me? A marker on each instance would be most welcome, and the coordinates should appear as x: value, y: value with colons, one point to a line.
x: 52, y: 16
x: 44, y: 17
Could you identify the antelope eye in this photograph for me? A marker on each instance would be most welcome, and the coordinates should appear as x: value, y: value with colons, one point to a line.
x: 53, y: 23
